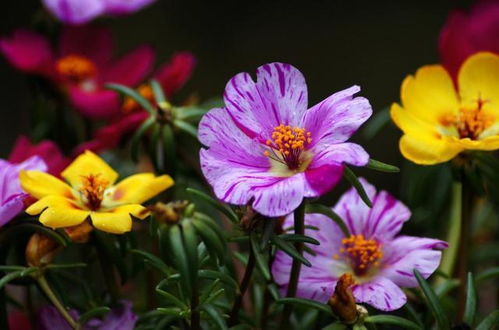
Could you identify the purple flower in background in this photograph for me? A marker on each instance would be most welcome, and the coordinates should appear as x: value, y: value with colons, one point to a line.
x: 266, y: 148
x: 77, y: 12
x: 379, y: 261
x: 121, y: 318
x: 11, y: 195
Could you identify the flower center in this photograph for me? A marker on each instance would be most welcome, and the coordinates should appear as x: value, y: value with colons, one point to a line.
x: 287, y: 145
x: 93, y: 188
x: 362, y: 253
x: 130, y: 104
x: 470, y: 122
x: 76, y: 68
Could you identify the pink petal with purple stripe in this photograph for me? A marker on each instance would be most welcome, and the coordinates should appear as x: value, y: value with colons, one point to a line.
x: 380, y: 293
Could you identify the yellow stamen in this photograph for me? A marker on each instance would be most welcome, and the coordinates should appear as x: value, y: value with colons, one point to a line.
x: 93, y: 188
x: 470, y: 122
x: 76, y: 68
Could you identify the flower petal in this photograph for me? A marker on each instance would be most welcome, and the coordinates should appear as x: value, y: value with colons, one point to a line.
x: 120, y: 7
x: 39, y: 184
x: 132, y: 68
x: 139, y: 188
x: 87, y: 164
x: 425, y: 151
x: 95, y: 104
x: 27, y: 51
x: 279, y: 96
x: 74, y: 11
x: 336, y: 118
x: 381, y: 293
x: 479, y: 79
x: 11, y: 207
x: 406, y: 253
x: 92, y: 41
x: 175, y: 73
x: 118, y: 220
x: 58, y: 212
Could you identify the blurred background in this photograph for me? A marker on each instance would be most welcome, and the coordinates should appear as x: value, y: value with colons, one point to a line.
x: 336, y: 44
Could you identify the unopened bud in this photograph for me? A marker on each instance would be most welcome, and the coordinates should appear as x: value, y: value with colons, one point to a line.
x: 80, y: 233
x: 343, y: 302
x: 40, y: 250
x: 168, y: 213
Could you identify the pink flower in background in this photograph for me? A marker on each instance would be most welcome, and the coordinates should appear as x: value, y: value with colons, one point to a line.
x: 82, y: 11
x: 11, y: 195
x: 465, y: 34
x: 47, y: 150
x: 267, y: 148
x: 81, y: 65
x: 379, y: 261
x: 171, y: 76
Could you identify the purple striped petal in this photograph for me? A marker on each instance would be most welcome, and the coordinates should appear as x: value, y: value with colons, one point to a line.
x: 380, y: 293
x: 336, y: 118
x: 279, y: 96
x: 406, y: 253
x: 75, y: 11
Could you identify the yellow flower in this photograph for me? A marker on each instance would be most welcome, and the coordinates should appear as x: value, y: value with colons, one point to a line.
x: 439, y: 120
x: 91, y: 193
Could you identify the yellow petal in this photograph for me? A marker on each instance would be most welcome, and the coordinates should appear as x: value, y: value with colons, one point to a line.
x: 479, y: 78
x: 118, y: 220
x: 86, y: 164
x: 425, y: 151
x: 58, y: 212
x: 410, y: 123
x: 489, y: 143
x: 430, y: 95
x: 39, y: 184
x: 139, y: 188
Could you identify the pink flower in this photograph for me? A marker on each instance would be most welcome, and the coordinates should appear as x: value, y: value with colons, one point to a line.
x: 379, y: 261
x: 465, y: 34
x: 171, y: 76
x: 82, y: 11
x: 81, y: 65
x: 11, y: 195
x: 267, y: 148
x: 47, y: 150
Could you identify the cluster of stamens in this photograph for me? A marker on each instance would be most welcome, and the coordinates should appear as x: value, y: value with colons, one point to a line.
x: 362, y: 253
x: 144, y: 90
x: 76, y: 68
x: 470, y: 123
x: 93, y: 188
x: 287, y: 145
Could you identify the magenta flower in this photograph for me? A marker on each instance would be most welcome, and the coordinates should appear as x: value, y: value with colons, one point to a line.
x: 81, y: 65
x: 465, y: 34
x: 266, y: 148
x: 120, y: 318
x: 77, y: 12
x: 11, y: 195
x: 379, y: 261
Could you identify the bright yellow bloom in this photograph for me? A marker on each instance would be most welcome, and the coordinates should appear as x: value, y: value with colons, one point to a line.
x: 91, y: 193
x: 439, y: 121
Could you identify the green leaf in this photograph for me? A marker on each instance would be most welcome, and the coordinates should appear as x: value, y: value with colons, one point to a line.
x: 153, y: 261
x: 231, y: 215
x: 97, y: 311
x: 127, y: 91
x: 299, y: 238
x: 354, y: 181
x: 446, y: 286
x: 137, y: 136
x: 212, y: 224
x: 171, y: 311
x: 64, y: 266
x: 187, y: 128
x: 191, y: 247
x: 189, y: 113
x: 208, y: 291
x: 393, y: 320
x: 180, y: 257
x: 290, y: 250
x: 214, y: 296
x: 413, y: 314
x: 433, y: 302
x: 471, y: 304
x: 487, y: 275
x: 211, y: 240
x: 260, y: 257
x: 216, y: 275
x: 169, y: 148
x: 489, y: 322
x: 11, y: 268
x: 268, y: 231
x: 305, y: 303
x: 382, y: 167
x: 157, y: 90
x: 171, y: 298
x: 328, y: 212
x: 214, y: 314
x: 379, y: 120
x: 11, y: 276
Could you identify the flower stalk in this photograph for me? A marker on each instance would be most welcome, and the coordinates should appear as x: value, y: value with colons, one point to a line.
x: 234, y: 314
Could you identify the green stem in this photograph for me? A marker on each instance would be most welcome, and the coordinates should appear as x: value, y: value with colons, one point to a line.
x: 464, y: 245
x: 454, y: 231
x: 44, y: 286
x: 299, y: 228
x: 234, y: 314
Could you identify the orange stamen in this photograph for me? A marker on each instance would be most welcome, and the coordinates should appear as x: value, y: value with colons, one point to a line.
x: 289, y: 142
x: 76, y: 68
x: 362, y: 253
x: 144, y: 90
x: 470, y: 123
x: 93, y: 188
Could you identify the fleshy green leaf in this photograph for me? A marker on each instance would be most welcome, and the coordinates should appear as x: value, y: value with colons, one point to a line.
x: 432, y: 302
x: 487, y: 275
x: 489, y: 322
x: 299, y: 238
x: 211, y: 240
x: 260, y: 257
x: 137, y: 136
x: 214, y: 275
x: 64, y: 266
x: 218, y: 205
x: 186, y: 127
x: 153, y: 261
x: 290, y: 250
x: 328, y: 212
x: 171, y: 298
x: 379, y: 120
x: 354, y: 181
x: 214, y: 314
x: 11, y: 276
x: 180, y: 256
x: 191, y: 247
x: 189, y: 113
x: 471, y: 304
x: 393, y: 320
x: 127, y: 91
x: 157, y: 91
x: 169, y: 148
x: 382, y: 167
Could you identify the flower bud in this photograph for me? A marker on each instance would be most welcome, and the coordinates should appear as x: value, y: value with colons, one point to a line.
x: 342, y: 302
x: 80, y: 233
x: 40, y: 250
x: 168, y: 213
